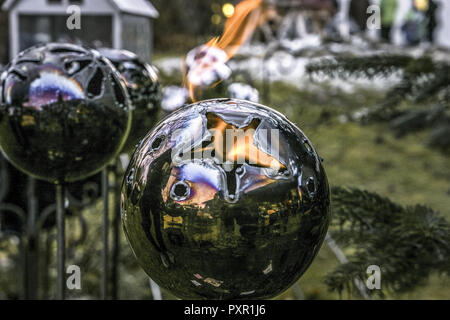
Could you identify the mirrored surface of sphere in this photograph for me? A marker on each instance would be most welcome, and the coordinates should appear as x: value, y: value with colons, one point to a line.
x: 141, y: 80
x: 64, y: 114
x: 225, y: 199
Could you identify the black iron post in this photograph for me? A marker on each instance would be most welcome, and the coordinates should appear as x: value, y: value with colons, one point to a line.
x: 61, y: 240
x: 105, y: 255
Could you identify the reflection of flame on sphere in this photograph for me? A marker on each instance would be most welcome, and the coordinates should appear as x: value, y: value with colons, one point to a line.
x: 217, y: 220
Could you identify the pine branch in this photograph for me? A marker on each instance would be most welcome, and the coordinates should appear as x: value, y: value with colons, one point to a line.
x: 407, y: 243
x: 422, y: 80
x: 359, y: 67
x: 416, y: 120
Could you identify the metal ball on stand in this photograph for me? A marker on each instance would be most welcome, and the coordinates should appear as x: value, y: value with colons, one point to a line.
x: 65, y: 114
x: 210, y: 219
x: 142, y: 82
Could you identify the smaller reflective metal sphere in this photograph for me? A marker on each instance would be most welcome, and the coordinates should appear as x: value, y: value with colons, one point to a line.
x: 225, y: 199
x: 143, y: 87
x: 64, y: 114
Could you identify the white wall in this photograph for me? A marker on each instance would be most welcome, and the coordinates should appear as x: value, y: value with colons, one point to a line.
x: 42, y: 6
x: 37, y: 7
x: 403, y: 8
x: 344, y: 18
x: 442, y: 34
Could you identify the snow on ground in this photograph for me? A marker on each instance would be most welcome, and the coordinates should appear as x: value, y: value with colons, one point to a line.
x: 171, y: 66
x: 286, y: 61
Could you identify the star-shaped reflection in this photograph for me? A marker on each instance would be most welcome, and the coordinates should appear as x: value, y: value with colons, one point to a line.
x: 231, y: 147
x: 235, y: 146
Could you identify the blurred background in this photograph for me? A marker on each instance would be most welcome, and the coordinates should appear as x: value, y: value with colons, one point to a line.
x: 367, y: 81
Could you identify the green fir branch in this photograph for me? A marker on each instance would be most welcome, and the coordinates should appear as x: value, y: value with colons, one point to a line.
x: 407, y: 243
x: 421, y: 81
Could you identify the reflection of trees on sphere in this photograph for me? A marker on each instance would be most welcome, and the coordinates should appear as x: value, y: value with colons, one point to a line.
x: 143, y: 87
x: 65, y: 113
x: 205, y: 228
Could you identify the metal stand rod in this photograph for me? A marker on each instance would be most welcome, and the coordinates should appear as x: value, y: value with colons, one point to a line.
x: 298, y: 293
x: 105, y: 255
x: 116, y: 240
x: 61, y: 241
x: 32, y: 240
x: 49, y: 239
x: 343, y: 259
x: 156, y: 290
x: 23, y: 260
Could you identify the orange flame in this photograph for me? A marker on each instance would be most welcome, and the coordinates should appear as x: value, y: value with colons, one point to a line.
x: 243, y: 148
x: 240, y: 149
x: 248, y: 15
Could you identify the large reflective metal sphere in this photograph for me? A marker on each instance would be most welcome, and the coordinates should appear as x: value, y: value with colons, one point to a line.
x: 143, y: 87
x: 65, y: 113
x: 225, y: 199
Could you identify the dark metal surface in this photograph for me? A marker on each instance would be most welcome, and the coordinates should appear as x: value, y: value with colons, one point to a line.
x: 105, y: 251
x: 28, y: 212
x: 39, y: 196
x: 32, y: 252
x: 64, y: 110
x: 141, y: 80
x: 61, y: 242
x: 206, y: 229
x: 117, y: 174
x: 65, y: 113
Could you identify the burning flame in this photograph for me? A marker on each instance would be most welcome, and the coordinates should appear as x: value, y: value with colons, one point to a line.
x: 202, y: 182
x: 243, y: 148
x: 247, y: 16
